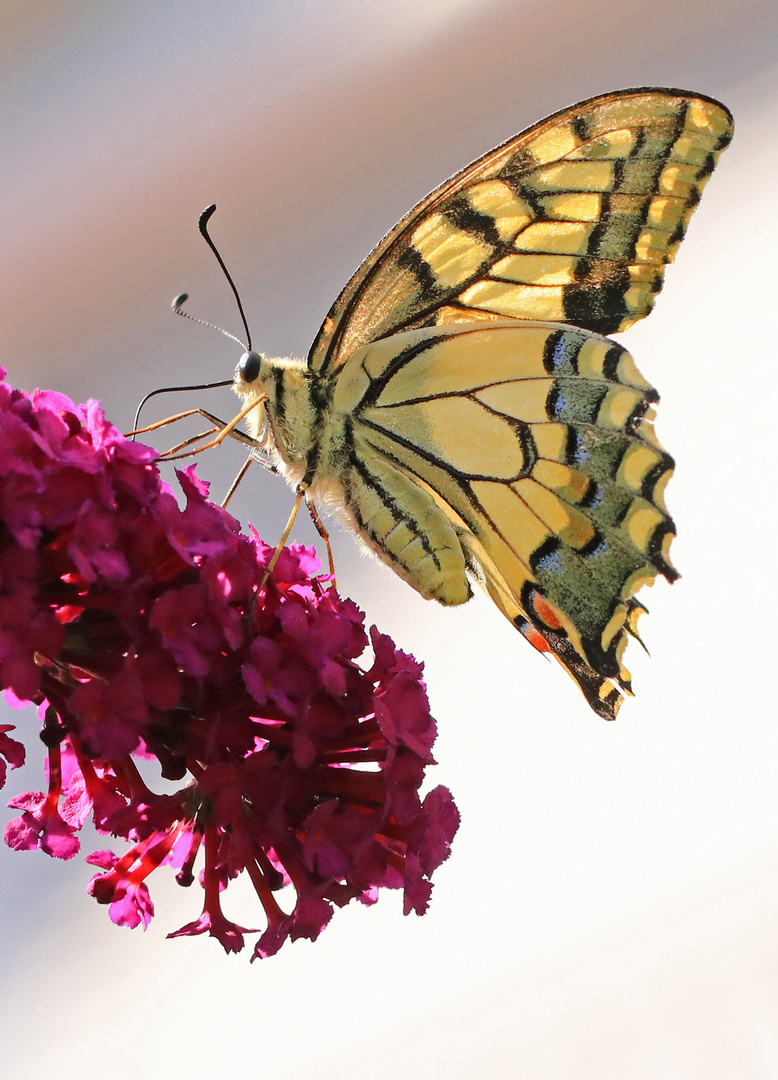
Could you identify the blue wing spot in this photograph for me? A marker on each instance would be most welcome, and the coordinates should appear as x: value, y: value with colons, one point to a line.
x: 559, y: 356
x: 580, y: 453
x: 601, y: 549
x: 557, y: 402
x: 551, y: 561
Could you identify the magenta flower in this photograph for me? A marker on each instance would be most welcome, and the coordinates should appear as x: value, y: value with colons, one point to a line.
x: 144, y: 631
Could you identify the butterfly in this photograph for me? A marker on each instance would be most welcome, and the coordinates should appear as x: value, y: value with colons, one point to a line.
x: 462, y: 407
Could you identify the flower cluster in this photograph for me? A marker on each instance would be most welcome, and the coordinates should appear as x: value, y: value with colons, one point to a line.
x: 145, y: 632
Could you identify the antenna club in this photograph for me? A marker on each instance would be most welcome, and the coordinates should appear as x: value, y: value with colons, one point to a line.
x: 206, y: 216
x: 180, y: 301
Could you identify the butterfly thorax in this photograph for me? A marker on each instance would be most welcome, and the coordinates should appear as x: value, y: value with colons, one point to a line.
x: 290, y: 415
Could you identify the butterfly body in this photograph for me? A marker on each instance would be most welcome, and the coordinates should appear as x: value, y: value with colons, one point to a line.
x: 461, y: 407
x: 311, y: 430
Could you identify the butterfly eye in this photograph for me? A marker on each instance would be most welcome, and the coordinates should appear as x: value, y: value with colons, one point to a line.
x: 249, y: 365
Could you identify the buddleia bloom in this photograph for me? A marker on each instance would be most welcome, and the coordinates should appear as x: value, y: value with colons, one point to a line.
x: 146, y: 633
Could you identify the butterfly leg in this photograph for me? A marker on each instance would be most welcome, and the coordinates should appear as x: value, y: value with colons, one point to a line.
x: 190, y: 441
x: 223, y: 429
x: 322, y: 531
x: 234, y: 485
x: 172, y: 420
x: 227, y: 429
x: 219, y: 425
x: 284, y: 537
x: 254, y: 456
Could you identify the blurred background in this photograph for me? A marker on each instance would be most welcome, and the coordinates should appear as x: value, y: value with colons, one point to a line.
x: 610, y: 909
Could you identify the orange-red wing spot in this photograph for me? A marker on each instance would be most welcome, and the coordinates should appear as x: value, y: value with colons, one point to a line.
x: 535, y: 638
x: 545, y: 612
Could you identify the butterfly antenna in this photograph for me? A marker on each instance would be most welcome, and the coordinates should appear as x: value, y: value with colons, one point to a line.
x: 205, y: 217
x: 178, y: 309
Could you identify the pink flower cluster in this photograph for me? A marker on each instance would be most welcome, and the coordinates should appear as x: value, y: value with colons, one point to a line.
x: 144, y: 634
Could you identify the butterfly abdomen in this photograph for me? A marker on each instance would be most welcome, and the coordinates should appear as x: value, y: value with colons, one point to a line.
x: 399, y: 521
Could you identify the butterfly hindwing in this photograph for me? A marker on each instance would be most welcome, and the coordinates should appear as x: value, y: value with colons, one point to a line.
x: 572, y: 221
x: 525, y: 453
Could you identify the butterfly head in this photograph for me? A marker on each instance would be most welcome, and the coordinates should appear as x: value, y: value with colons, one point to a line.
x: 251, y: 384
x: 249, y: 369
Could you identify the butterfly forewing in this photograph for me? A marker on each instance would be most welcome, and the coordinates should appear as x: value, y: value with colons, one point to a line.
x: 573, y: 221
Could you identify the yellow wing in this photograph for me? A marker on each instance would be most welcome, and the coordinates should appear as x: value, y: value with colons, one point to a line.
x: 572, y: 221
x: 524, y: 453
x: 481, y: 422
